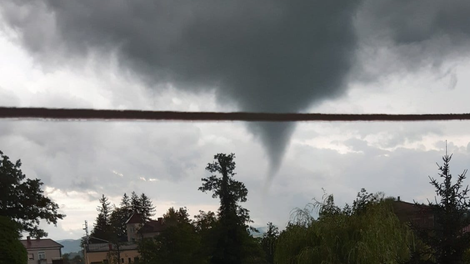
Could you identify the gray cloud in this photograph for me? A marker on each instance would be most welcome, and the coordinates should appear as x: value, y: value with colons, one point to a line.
x: 266, y: 56
x: 403, y: 36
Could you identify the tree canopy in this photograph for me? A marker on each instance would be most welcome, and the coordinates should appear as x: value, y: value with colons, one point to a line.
x: 369, y: 232
x: 448, y: 239
x: 12, y: 251
x: 232, y: 232
x: 23, y: 200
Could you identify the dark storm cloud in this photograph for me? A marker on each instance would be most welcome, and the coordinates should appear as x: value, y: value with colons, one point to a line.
x: 265, y: 56
x: 411, y: 35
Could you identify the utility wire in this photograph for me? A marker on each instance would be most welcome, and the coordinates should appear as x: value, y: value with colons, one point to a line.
x: 95, y: 114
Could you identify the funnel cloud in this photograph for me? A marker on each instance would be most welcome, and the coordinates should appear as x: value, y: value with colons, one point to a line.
x: 262, y: 56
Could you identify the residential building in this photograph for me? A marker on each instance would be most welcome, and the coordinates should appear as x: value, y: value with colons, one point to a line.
x: 108, y: 253
x: 43, y: 251
x: 136, y: 230
x: 125, y: 252
x: 418, y: 215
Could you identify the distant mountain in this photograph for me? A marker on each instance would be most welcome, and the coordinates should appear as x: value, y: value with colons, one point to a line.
x: 260, y: 233
x: 70, y: 245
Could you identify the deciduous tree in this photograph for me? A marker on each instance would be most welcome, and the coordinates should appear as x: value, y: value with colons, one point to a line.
x: 11, y: 249
x: 23, y: 200
x: 233, y: 218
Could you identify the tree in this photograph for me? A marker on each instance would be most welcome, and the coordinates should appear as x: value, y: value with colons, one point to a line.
x: 23, y: 201
x: 448, y: 239
x: 102, y: 229
x: 269, y: 242
x: 135, y: 203
x: 12, y: 251
x: 233, y: 218
x: 370, y: 233
x: 178, y: 243
x: 126, y: 202
x: 146, y: 207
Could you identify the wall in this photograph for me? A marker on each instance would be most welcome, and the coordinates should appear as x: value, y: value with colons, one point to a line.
x: 50, y: 254
x: 99, y: 257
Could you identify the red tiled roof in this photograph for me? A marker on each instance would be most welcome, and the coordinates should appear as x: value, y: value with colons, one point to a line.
x: 40, y: 243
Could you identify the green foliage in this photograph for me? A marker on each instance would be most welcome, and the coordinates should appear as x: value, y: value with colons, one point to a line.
x: 102, y: 229
x: 110, y: 224
x: 23, y: 200
x: 231, y: 232
x: 147, y: 209
x: 447, y: 238
x: 269, y: 242
x: 76, y: 259
x: 12, y: 251
x: 369, y: 232
x: 178, y: 243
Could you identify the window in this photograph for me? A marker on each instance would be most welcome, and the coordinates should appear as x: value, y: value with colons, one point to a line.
x: 41, y: 255
x: 31, y: 256
x: 122, y: 260
x: 129, y: 260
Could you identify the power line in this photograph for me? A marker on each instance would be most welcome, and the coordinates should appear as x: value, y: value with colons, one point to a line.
x: 95, y: 114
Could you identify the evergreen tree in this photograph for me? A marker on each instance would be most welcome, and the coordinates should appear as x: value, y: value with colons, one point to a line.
x: 118, y: 219
x: 22, y: 200
x: 125, y: 202
x: 136, y: 205
x: 448, y: 239
x: 146, y: 207
x: 269, y: 242
x: 233, y: 218
x: 102, y: 229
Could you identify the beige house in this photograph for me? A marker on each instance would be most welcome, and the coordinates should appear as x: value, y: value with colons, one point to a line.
x: 43, y: 251
x: 125, y: 252
x: 108, y: 253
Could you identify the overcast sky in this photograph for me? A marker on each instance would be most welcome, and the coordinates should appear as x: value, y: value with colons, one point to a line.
x: 268, y: 56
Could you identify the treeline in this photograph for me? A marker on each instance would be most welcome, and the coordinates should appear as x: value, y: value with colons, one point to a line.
x: 110, y: 224
x: 367, y: 230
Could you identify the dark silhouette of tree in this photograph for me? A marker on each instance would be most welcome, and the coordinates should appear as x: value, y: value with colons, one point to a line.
x: 102, y: 229
x: 146, y: 207
x: 269, y: 242
x: 23, y: 201
x: 233, y: 218
x: 126, y: 202
x: 135, y: 203
x: 117, y: 220
x: 178, y: 243
x: 448, y: 239
x: 11, y: 249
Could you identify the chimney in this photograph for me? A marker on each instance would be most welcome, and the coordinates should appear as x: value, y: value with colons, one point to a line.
x: 160, y: 220
x: 398, y: 198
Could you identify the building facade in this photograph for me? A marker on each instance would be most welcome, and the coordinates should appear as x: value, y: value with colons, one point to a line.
x: 43, y: 251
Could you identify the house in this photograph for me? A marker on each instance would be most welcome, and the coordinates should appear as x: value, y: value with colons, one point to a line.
x: 125, y: 252
x: 136, y: 230
x: 43, y: 251
x: 108, y: 253
x: 418, y: 215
